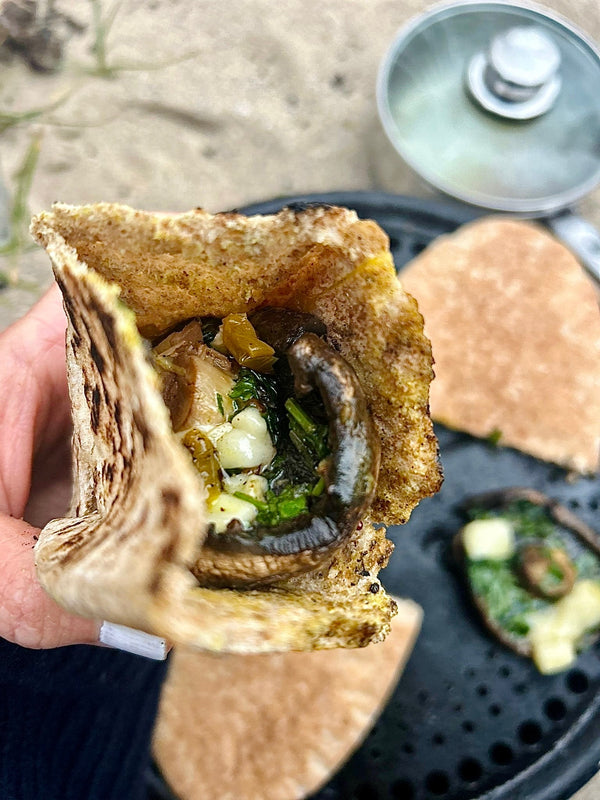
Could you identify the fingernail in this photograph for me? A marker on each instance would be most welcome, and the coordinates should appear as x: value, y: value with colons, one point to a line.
x: 133, y: 641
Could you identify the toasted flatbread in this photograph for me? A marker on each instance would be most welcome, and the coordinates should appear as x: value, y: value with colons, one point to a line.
x: 515, y: 330
x: 138, y: 516
x: 272, y: 727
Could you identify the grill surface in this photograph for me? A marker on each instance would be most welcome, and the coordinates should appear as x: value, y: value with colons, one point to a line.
x: 469, y: 719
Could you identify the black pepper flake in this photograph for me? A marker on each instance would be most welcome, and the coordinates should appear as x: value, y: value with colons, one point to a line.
x: 374, y: 588
x: 364, y: 573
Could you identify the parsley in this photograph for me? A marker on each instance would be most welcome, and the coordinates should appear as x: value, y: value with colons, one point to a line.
x: 294, y: 484
x: 276, y: 508
x: 309, y: 437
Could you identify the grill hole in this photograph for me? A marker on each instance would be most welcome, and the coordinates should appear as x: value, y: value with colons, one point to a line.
x: 555, y: 709
x: 482, y: 690
x: 375, y: 753
x: 504, y: 672
x: 366, y: 792
x: 520, y: 688
x: 457, y: 708
x: 422, y: 697
x: 438, y: 738
x: 530, y: 732
x: 470, y: 673
x: 501, y: 754
x: 437, y: 782
x: 408, y: 748
x: 402, y: 790
x: 470, y: 770
x: 594, y: 504
x: 495, y: 710
x: 468, y: 726
x: 577, y: 682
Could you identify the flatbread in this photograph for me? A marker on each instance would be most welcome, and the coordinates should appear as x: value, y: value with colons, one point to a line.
x: 515, y: 329
x: 272, y: 727
x: 138, y: 515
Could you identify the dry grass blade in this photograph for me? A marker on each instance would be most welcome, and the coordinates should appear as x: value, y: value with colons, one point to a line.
x: 19, y: 240
x: 10, y: 118
x: 102, y: 24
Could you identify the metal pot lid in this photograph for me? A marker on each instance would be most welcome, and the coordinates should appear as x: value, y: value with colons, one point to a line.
x: 496, y: 104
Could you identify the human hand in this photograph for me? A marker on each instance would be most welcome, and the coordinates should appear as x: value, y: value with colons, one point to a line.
x: 35, y: 475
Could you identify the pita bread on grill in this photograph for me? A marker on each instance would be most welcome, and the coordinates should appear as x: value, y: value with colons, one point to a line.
x: 272, y: 727
x: 515, y: 329
x: 138, y: 515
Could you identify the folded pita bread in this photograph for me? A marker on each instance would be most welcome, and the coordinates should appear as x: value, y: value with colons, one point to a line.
x: 515, y: 329
x: 272, y: 727
x: 138, y: 515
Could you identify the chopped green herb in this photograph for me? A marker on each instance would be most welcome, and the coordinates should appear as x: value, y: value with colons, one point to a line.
x: 276, y: 508
x: 308, y: 436
x: 494, y: 437
x: 318, y: 488
x: 506, y: 600
x: 555, y: 573
x: 293, y: 483
x: 249, y: 499
x: 220, y: 404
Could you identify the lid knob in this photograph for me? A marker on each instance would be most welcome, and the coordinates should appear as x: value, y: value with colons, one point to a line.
x: 517, y: 77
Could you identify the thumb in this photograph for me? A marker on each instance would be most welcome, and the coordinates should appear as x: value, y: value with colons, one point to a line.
x: 28, y: 616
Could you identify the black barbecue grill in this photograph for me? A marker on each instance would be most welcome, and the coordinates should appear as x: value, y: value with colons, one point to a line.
x: 469, y: 719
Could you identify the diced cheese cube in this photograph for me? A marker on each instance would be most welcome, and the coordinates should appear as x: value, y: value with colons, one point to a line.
x: 492, y: 539
x: 240, y: 450
x: 553, y: 655
x: 250, y: 484
x: 251, y: 421
x: 245, y: 443
x: 225, y: 508
x: 214, y: 434
x: 571, y: 616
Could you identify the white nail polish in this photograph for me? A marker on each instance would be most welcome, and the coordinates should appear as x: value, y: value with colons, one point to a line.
x: 133, y: 641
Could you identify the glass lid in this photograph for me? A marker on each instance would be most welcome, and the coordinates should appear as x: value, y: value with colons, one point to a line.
x: 496, y: 104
